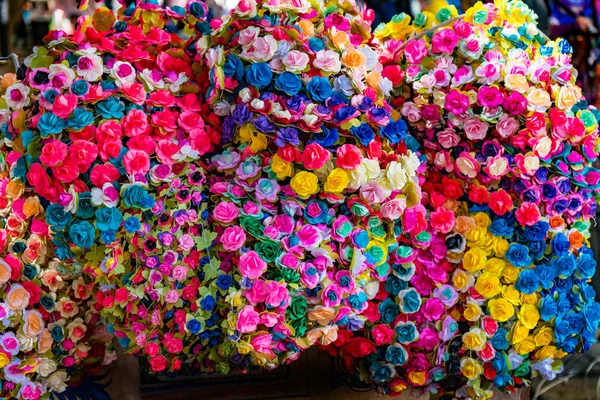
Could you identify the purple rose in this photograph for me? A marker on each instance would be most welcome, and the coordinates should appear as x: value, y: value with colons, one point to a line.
x: 287, y: 135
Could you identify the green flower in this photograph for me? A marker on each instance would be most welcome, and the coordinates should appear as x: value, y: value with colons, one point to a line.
x: 268, y: 250
x: 443, y: 15
x: 297, y: 309
x: 420, y: 20
x: 253, y: 226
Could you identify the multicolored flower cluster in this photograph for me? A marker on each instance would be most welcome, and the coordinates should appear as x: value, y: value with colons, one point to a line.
x: 510, y: 191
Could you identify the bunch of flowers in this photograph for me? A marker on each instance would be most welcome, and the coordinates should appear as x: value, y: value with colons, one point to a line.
x: 510, y: 191
x: 105, y: 128
x: 315, y: 181
x: 50, y: 333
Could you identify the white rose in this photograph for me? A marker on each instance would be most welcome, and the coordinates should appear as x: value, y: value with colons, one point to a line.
x: 357, y: 177
x: 26, y: 343
x: 46, y: 367
x: 56, y: 381
x: 396, y: 175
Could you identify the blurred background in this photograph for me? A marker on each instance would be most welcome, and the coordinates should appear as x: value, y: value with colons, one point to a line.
x: 24, y: 23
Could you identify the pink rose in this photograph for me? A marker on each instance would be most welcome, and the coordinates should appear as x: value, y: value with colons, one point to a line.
x: 251, y: 265
x: 64, y: 105
x: 186, y: 242
x: 475, y: 129
x: 233, y: 238
x: 136, y: 162
x: 394, y: 208
x: 528, y: 214
x: 507, y: 126
x: 295, y: 61
x: 468, y: 165
x: 433, y: 309
x: 258, y: 293
x: 277, y: 294
x: 135, y: 123
x: 179, y: 273
x: 444, y: 41
x: 456, y: 102
x: 382, y: 334
x: 448, y: 138
x: 315, y: 156
x: 172, y: 296
x: 372, y: 193
x: 247, y: 320
x: 415, y: 51
x: 226, y: 212
x: 53, y: 153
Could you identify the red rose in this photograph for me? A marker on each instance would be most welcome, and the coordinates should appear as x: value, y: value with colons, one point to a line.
x: 537, y: 122
x: 289, y: 153
x: 343, y: 337
x: 315, y: 156
x: 489, y: 371
x: 359, y: 347
x: 33, y: 290
x: 121, y: 295
x: 158, y: 363
x: 394, y: 73
x: 452, y: 188
x: 38, y: 177
x: 104, y: 173
x: 500, y: 202
x: 478, y: 194
x: 382, y: 334
x: 151, y: 349
x: 372, y: 312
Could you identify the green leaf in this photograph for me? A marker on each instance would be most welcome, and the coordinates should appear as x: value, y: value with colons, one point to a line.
x: 211, y: 269
x: 206, y: 239
x: 95, y: 255
x: 42, y: 59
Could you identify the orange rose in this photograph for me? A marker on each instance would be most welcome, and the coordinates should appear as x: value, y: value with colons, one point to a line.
x: 463, y: 224
x: 324, y: 315
x: 45, y: 341
x: 556, y: 222
x: 14, y: 189
x: 17, y: 298
x: 32, y: 207
x: 576, y: 239
x: 307, y: 27
x: 5, y: 272
x: 339, y: 38
x: 34, y: 324
x: 353, y: 58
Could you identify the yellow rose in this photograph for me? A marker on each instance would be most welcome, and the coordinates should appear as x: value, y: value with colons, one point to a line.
x: 34, y: 324
x: 472, y: 311
x: 511, y: 273
x: 519, y: 333
x: 539, y: 100
x: 476, y: 236
x: 337, y: 181
x: 474, y: 339
x: 545, y: 352
x: 4, y: 360
x: 488, y: 285
x: 516, y: 83
x: 470, y: 368
x: 529, y: 315
x: 305, y: 183
x: 244, y: 347
x: 482, y: 220
x: 494, y: 266
x: 259, y: 143
x: 245, y: 133
x: 417, y: 378
x: 500, y: 247
x: 373, y: 79
x: 489, y: 244
x: 511, y: 294
x: 397, y: 386
x: 525, y: 346
x: 568, y: 96
x: 32, y: 207
x: 281, y: 168
x: 17, y: 298
x: 501, y: 309
x: 532, y: 298
x: 544, y: 336
x: 474, y: 260
x: 462, y: 280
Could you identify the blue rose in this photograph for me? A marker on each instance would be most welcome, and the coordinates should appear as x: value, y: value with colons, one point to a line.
x: 394, y: 132
x: 560, y: 244
x: 85, y: 208
x: 381, y: 372
x: 518, y: 255
x: 549, y: 191
x: 591, y: 316
x: 108, y: 237
x: 50, y: 124
x: 208, y: 303
x: 528, y: 282
x: 562, y: 329
x: 194, y: 326
x: 499, y: 341
x: 537, y: 231
x: 111, y: 108
x: 586, y: 264
x: 364, y: 133
x: 569, y: 346
x: 82, y: 234
x: 132, y: 224
x: 545, y: 275
x: 197, y: 9
x: 316, y: 44
x: 108, y: 85
x: 537, y: 249
x: 393, y: 285
x: 50, y: 95
x: 564, y: 266
x: 134, y: 196
x: 345, y: 113
x: 560, y: 206
x: 58, y: 217
x: 224, y: 282
x: 564, y: 285
x: 61, y: 249
x: 327, y: 137
x: 389, y: 310
x: 57, y: 333
x: 499, y: 363
x: 500, y: 227
x: 406, y: 332
x: 565, y: 47
x: 259, y: 75
x: 575, y: 322
x: 288, y: 83
x: 357, y: 301
x: 410, y: 301
x: 108, y: 219
x: 80, y: 119
x: 319, y: 88
x: 80, y: 87
x: 530, y: 195
x: 233, y: 68
x: 396, y: 354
